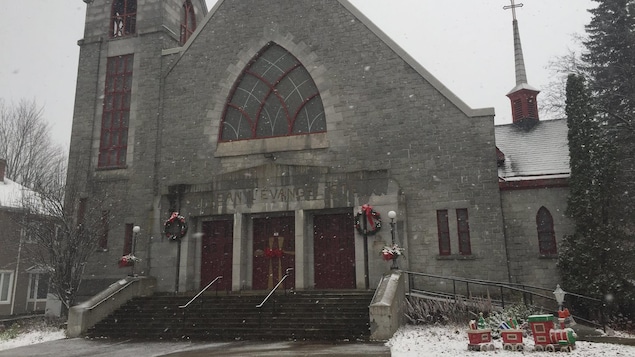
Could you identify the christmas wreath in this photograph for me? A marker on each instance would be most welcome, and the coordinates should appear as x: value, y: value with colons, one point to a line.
x: 175, y: 227
x: 374, y: 220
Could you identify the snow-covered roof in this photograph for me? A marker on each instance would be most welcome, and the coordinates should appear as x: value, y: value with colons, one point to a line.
x: 541, y: 151
x: 13, y: 195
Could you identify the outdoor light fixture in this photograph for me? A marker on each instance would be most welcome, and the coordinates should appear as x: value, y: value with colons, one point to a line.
x: 392, y: 215
x: 559, y: 294
x: 135, y: 232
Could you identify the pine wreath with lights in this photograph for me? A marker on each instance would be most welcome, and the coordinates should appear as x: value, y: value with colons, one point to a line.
x: 374, y: 220
x: 175, y: 227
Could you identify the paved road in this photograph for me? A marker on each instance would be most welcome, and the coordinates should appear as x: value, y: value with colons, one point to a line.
x: 79, y: 347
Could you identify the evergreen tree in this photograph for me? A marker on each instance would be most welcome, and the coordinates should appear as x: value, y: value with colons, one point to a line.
x: 610, y: 64
x: 597, y: 259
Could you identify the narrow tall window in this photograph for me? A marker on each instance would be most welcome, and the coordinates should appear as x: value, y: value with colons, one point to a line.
x: 81, y: 210
x: 116, y: 112
x: 463, y: 226
x: 517, y: 108
x: 443, y: 229
x: 38, y: 286
x: 546, y: 233
x: 5, y: 286
x: 123, y: 18
x: 274, y: 96
x: 188, y: 21
x: 103, y: 239
x: 127, y: 243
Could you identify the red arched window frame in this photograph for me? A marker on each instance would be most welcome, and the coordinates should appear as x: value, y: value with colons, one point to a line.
x: 546, y: 233
x: 274, y: 96
x: 188, y: 21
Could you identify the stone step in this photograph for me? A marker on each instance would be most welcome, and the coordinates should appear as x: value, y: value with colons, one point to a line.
x: 331, y: 315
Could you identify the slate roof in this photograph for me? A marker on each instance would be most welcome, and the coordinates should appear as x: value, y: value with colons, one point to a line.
x: 538, y: 153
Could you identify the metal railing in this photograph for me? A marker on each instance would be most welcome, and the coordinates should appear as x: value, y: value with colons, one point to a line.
x: 264, y: 301
x: 284, y: 277
x: 202, y: 291
x: 464, y: 289
x: 123, y: 284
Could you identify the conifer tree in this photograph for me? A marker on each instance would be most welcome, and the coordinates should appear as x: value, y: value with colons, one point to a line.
x: 596, y: 260
x: 610, y: 65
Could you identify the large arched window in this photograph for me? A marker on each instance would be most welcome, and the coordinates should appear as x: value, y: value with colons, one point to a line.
x: 274, y: 96
x: 188, y: 21
x: 546, y: 234
x: 123, y: 18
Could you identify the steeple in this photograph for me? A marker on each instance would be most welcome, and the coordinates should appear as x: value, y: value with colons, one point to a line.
x: 522, y: 96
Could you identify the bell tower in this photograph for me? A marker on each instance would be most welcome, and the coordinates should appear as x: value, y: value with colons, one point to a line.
x: 119, y: 76
x: 117, y: 109
x: 523, y: 97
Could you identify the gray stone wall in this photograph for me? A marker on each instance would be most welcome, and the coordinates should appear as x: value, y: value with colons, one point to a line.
x: 384, y: 114
x: 521, y: 207
x: 381, y: 114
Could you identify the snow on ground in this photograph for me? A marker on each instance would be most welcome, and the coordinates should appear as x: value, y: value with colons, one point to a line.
x: 32, y: 337
x: 410, y: 341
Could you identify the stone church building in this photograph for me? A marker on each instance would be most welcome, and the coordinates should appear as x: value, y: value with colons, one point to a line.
x: 267, y: 125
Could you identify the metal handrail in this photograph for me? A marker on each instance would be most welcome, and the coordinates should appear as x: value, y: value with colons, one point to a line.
x: 286, y: 275
x: 502, y: 285
x: 511, y: 286
x: 121, y: 287
x: 200, y: 292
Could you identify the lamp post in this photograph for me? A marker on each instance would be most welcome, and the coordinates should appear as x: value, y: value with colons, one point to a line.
x: 559, y: 294
x: 392, y: 215
x: 135, y: 232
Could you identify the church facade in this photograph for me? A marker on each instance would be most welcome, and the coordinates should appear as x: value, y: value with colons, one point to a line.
x: 268, y: 126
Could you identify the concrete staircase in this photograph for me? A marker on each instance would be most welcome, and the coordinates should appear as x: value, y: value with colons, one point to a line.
x: 301, y: 315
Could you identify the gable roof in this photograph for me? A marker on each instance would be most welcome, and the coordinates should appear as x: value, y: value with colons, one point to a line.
x: 538, y: 153
x: 468, y: 111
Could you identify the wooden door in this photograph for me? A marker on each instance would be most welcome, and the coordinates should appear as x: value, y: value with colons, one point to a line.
x: 334, y: 251
x: 274, y: 251
x: 217, y: 252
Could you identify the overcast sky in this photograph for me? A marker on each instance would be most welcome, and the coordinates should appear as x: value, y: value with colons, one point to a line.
x: 466, y: 44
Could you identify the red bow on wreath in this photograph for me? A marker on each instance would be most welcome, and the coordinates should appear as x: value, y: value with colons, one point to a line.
x: 368, y: 212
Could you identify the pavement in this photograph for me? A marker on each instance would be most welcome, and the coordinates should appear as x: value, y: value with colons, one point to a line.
x: 79, y: 347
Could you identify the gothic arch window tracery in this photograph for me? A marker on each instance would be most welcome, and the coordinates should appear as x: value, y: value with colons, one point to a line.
x: 546, y: 233
x: 188, y: 21
x: 274, y: 96
x: 123, y: 18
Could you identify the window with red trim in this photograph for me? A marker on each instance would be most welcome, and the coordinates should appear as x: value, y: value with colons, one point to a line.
x: 546, y: 233
x: 443, y: 229
x: 274, y: 96
x: 123, y: 18
x: 188, y: 21
x: 103, y: 239
x: 116, y: 112
x: 463, y: 226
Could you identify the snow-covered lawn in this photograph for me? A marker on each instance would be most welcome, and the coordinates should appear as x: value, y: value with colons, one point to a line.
x: 32, y: 337
x: 409, y: 341
x: 452, y: 341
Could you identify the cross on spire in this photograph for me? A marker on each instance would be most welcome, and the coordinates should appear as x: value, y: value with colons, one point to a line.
x: 513, y: 6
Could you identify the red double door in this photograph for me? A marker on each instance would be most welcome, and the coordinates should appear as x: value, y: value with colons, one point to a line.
x: 334, y: 251
x: 216, y: 255
x: 274, y: 251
